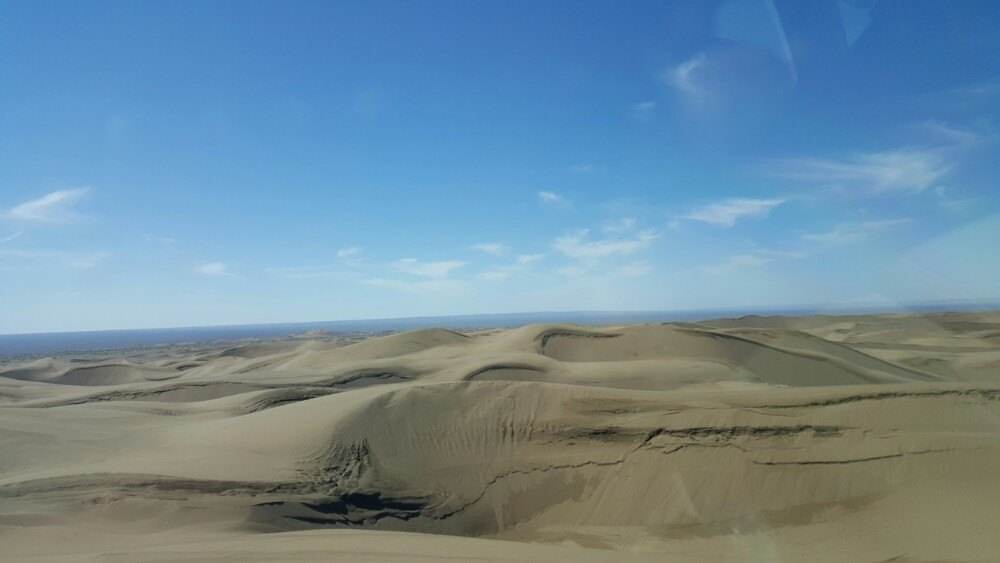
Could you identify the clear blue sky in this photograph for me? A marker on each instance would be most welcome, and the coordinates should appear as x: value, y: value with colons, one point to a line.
x: 189, y: 163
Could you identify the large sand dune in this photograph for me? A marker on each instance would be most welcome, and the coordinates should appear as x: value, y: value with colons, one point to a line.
x: 756, y: 439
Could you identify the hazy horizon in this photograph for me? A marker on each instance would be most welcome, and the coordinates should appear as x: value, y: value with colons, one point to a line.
x: 875, y: 308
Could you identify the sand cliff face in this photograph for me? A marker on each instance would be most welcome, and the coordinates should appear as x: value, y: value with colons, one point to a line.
x: 761, y: 438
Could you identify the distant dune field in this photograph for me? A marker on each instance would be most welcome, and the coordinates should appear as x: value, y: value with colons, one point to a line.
x: 823, y: 438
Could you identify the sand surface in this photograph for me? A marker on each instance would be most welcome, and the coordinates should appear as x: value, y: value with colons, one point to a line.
x: 824, y: 438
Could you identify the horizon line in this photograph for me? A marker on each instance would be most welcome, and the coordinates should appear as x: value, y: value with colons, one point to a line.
x: 776, y: 310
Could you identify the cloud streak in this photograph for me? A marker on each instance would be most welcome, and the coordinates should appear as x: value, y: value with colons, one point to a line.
x: 580, y: 246
x: 434, y: 270
x: 619, y: 226
x: 949, y: 134
x: 551, y: 198
x: 492, y: 248
x: 727, y: 212
x: 53, y: 207
x: 894, y: 171
x: 11, y: 236
x: 349, y: 252
x: 738, y: 262
x: 74, y: 260
x: 847, y: 233
x: 643, y: 111
x: 308, y: 272
x: 521, y: 264
x: 419, y: 286
x: 683, y: 77
x: 213, y: 269
x: 525, y: 259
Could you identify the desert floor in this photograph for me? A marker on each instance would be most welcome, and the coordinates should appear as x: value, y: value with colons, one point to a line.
x: 823, y: 438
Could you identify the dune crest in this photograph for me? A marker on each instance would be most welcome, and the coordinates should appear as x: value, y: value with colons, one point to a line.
x: 741, y: 439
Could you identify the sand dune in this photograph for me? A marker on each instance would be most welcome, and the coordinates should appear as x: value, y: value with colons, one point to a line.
x: 757, y: 439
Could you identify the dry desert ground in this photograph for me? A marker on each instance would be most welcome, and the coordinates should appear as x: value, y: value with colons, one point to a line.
x: 822, y: 438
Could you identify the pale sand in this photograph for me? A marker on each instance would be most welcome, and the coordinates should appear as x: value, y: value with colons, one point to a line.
x: 855, y: 438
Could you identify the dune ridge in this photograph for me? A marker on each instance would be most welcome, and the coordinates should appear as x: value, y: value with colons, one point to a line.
x: 757, y: 438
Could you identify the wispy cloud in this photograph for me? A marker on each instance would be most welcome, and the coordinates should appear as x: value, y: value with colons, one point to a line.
x: 349, y: 252
x: 579, y: 246
x: 418, y: 286
x: 552, y: 198
x: 901, y: 171
x: 498, y: 274
x: 949, y: 134
x: 438, y: 270
x: 727, y: 212
x: 87, y: 261
x: 11, y: 236
x: 520, y: 265
x: 738, y: 262
x: 53, y: 207
x: 58, y: 258
x: 525, y: 259
x: 213, y: 269
x: 582, y: 168
x: 846, y: 233
x: 775, y: 254
x: 168, y: 242
x: 948, y: 201
x: 684, y: 77
x: 619, y: 226
x: 309, y: 272
x: 589, y: 273
x: 493, y: 248
x: 980, y: 90
x: 643, y: 111
x: 633, y: 269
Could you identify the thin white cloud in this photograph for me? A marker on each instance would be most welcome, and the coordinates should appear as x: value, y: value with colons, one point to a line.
x: 419, y: 286
x: 551, y: 198
x: 498, y: 274
x: 901, y: 170
x: 582, y: 168
x: 161, y: 240
x: 643, y: 111
x: 525, y: 259
x: 754, y: 259
x: 349, y: 252
x: 437, y: 270
x: 308, y: 272
x: 684, y: 77
x: 619, y: 226
x: 949, y: 134
x: 53, y: 207
x: 87, y: 261
x: 954, y: 204
x: 738, y: 262
x: 847, y: 233
x: 633, y: 269
x: 575, y: 272
x: 727, y: 212
x: 579, y: 246
x: 520, y: 265
x: 980, y: 90
x: 213, y: 269
x: 590, y: 272
x: 58, y: 258
x: 774, y: 254
x: 11, y: 236
x: 493, y: 248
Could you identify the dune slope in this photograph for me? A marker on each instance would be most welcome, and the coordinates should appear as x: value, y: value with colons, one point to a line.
x: 758, y: 439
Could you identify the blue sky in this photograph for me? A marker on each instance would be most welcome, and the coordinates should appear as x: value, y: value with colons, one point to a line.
x: 189, y: 163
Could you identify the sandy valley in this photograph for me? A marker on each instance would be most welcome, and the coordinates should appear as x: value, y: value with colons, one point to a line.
x: 823, y: 438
